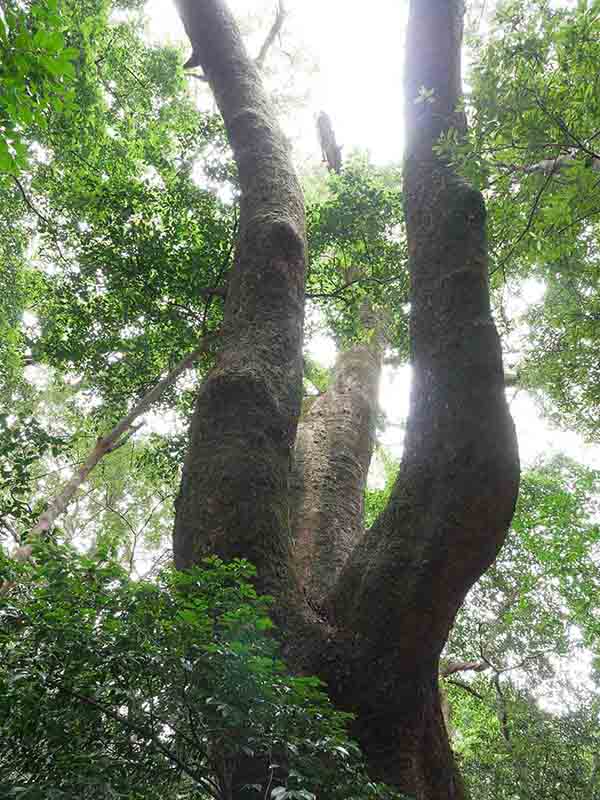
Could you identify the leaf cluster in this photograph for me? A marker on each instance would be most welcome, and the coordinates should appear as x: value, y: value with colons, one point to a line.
x: 115, y: 688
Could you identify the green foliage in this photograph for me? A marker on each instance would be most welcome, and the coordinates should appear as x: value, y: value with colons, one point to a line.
x: 317, y: 376
x: 532, y: 102
x: 376, y: 499
x: 125, y: 236
x: 14, y: 295
x: 525, y: 622
x: 534, y: 109
x: 112, y: 688
x: 357, y: 252
x: 37, y: 72
x: 531, y: 754
x: 545, y: 581
x: 23, y: 444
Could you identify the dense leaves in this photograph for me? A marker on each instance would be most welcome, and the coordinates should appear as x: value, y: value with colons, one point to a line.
x: 357, y: 253
x: 523, y: 708
x: 112, y: 688
x: 36, y: 74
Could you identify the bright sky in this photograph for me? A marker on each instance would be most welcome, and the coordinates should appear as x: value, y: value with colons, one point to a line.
x: 358, y: 57
x: 358, y: 80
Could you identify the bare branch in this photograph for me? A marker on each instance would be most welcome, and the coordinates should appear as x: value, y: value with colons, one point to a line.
x: 272, y: 35
x: 451, y: 667
x: 121, y: 432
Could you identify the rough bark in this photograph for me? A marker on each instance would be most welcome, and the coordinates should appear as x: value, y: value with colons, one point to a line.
x: 234, y: 493
x: 455, y: 494
x: 333, y: 452
x: 384, y: 621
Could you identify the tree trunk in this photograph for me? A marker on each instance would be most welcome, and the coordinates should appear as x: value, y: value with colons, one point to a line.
x: 369, y: 612
x: 333, y: 453
x: 233, y: 499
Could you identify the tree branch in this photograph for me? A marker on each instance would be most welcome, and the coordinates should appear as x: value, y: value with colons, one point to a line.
x: 116, y: 438
x: 465, y: 687
x: 450, y: 667
x: 272, y: 35
x: 149, y: 735
x: 528, y: 225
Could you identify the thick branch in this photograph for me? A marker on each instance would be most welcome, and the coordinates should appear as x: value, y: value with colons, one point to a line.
x: 333, y: 452
x: 450, y: 667
x: 455, y: 493
x: 457, y: 486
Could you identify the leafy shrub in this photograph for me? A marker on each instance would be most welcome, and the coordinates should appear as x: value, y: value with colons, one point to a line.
x: 112, y: 688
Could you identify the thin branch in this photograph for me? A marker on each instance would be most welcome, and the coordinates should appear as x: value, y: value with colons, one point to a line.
x: 528, y: 226
x: 135, y: 77
x: 551, y: 166
x: 502, y: 712
x: 272, y: 35
x: 590, y: 213
x: 142, y: 731
x: 107, y: 444
x: 559, y: 121
x: 466, y: 688
x: 44, y: 220
x: 28, y: 202
x: 360, y: 281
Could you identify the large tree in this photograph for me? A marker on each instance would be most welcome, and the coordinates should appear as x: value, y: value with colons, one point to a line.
x: 369, y: 611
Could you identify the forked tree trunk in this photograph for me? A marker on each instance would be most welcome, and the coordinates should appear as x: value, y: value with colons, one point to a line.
x: 385, y: 599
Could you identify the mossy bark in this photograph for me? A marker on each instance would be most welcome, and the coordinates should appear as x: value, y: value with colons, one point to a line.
x: 234, y: 492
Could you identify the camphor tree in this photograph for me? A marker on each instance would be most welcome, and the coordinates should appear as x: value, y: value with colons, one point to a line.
x: 369, y: 612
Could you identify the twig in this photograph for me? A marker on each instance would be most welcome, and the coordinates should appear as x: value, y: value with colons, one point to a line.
x: 140, y: 730
x: 529, y: 224
x: 361, y: 281
x: 44, y: 220
x: 466, y: 688
x: 502, y: 712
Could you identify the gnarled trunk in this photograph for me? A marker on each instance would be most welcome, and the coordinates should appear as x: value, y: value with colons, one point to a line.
x: 385, y: 599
